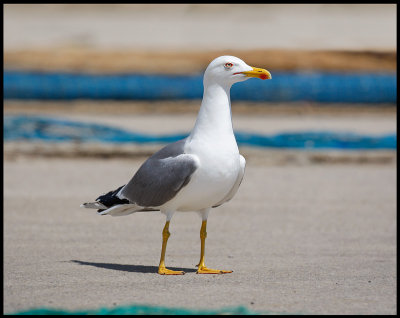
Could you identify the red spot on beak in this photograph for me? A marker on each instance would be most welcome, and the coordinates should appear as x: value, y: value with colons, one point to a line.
x: 263, y: 76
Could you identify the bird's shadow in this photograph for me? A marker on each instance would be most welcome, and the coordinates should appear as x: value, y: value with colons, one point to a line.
x: 131, y: 268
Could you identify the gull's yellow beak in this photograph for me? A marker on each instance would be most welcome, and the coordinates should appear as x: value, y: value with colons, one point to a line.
x: 258, y: 72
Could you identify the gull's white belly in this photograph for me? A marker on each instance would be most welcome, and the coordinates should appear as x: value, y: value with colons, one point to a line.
x: 211, y: 182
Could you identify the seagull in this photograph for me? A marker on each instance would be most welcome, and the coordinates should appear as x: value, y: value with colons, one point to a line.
x: 197, y: 173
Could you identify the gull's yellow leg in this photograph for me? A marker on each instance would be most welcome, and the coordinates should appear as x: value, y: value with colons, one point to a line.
x: 202, y: 269
x: 161, y: 268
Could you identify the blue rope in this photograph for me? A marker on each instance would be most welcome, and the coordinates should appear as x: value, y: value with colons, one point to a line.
x: 31, y: 128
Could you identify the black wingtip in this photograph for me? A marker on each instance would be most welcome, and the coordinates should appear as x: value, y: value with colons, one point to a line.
x: 109, y: 199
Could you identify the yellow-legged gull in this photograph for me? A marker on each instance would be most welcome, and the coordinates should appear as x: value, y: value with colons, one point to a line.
x: 197, y: 173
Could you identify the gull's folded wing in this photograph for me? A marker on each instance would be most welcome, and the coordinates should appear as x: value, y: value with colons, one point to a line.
x: 161, y: 176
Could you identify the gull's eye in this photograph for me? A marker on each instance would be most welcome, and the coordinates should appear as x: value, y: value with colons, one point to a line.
x: 228, y: 65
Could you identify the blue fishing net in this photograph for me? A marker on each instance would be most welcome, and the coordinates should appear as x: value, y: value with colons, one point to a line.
x: 146, y: 310
x: 36, y: 128
x: 322, y: 87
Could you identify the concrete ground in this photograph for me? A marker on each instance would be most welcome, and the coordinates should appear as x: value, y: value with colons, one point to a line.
x: 317, y: 239
x: 300, y: 237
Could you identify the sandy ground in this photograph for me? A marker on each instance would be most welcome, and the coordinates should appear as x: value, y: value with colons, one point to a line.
x: 189, y: 27
x: 184, y: 38
x: 184, y: 63
x: 317, y: 239
x: 169, y: 117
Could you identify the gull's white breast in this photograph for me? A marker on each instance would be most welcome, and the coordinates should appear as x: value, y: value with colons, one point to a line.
x: 219, y: 166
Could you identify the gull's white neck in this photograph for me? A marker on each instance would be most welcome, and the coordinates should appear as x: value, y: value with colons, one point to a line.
x: 214, y: 121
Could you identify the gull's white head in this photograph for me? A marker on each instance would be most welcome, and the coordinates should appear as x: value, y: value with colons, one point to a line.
x: 227, y: 70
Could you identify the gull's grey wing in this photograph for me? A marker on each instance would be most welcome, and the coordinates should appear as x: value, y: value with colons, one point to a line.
x: 161, y: 176
x: 235, y: 187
